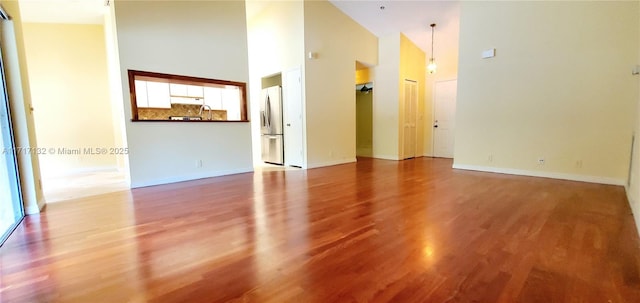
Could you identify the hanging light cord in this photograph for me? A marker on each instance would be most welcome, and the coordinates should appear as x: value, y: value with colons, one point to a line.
x: 432, y: 26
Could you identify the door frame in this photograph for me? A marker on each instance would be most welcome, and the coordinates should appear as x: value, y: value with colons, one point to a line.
x: 433, y: 112
x: 372, y: 115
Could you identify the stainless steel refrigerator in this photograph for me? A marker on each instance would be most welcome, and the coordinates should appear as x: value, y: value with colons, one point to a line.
x: 271, y: 125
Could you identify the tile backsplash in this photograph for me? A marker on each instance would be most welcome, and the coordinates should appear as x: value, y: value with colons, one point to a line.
x: 179, y: 110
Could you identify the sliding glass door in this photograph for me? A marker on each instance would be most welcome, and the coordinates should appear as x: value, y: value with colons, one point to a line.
x: 11, y: 211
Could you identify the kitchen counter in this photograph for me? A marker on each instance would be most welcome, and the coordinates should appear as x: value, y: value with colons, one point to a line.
x: 190, y: 121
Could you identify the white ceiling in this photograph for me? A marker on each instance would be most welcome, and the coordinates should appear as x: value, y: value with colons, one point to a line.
x: 409, y: 17
x: 63, y: 11
x: 412, y: 18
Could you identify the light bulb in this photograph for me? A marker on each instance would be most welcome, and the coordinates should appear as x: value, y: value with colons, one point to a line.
x: 431, y: 68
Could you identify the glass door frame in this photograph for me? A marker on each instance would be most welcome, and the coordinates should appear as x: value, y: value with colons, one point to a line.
x: 9, y: 153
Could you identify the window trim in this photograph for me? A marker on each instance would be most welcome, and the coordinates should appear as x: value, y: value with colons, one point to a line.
x: 179, y: 79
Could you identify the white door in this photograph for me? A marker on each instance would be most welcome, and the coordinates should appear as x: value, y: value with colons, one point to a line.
x: 444, y: 125
x: 410, y: 110
x: 293, y: 118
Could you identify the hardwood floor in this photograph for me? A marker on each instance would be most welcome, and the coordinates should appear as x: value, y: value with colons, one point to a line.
x: 375, y: 231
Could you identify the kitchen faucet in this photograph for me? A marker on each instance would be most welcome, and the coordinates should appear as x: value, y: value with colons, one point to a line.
x: 202, y: 108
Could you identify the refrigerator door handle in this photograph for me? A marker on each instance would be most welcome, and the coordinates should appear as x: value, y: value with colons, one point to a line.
x: 267, y: 113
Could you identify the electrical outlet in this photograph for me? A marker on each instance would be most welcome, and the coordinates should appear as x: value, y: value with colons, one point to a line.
x: 540, y: 161
x: 198, y: 163
x: 579, y: 164
x: 490, y: 158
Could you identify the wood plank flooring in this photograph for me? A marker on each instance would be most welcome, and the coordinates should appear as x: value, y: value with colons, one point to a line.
x: 375, y: 231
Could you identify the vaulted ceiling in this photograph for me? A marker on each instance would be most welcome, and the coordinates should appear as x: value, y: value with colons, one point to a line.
x: 381, y: 17
x: 412, y: 18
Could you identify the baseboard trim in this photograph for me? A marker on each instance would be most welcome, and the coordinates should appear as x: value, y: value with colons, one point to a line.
x: 35, y: 208
x: 41, y: 204
x: 331, y: 163
x: 190, y: 177
x: 386, y: 157
x: 551, y: 175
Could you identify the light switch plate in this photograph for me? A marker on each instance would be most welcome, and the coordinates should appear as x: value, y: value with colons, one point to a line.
x: 490, y: 53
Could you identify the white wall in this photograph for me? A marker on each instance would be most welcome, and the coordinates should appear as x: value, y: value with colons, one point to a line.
x: 276, y: 45
x: 385, y: 99
x: 560, y: 87
x: 202, y: 39
x: 329, y: 89
x: 69, y: 88
x: 633, y: 185
x: 115, y: 88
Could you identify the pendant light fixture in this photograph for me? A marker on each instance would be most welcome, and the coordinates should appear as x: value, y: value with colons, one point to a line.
x: 431, y: 68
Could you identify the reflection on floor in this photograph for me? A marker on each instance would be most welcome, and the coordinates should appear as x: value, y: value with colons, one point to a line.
x: 371, y: 231
x: 272, y: 167
x: 79, y: 185
x: 84, y: 184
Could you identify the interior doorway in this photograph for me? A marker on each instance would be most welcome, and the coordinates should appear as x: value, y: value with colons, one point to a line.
x: 409, y: 134
x: 364, y: 120
x: 74, y: 116
x: 280, y: 110
x: 444, y: 112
